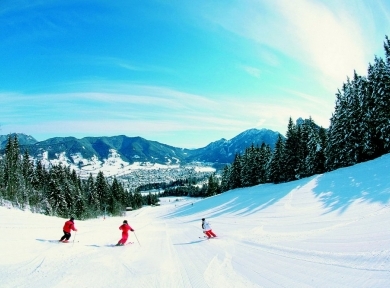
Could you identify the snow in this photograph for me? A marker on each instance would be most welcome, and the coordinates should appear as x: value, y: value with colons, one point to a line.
x: 113, y: 165
x: 329, y: 230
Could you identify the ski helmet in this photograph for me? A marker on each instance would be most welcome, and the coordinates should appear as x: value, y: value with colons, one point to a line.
x: 124, y: 221
x: 203, y: 219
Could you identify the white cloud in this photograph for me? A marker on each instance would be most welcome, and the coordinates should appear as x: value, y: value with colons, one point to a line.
x: 331, y: 40
x: 253, y: 71
x: 153, y: 112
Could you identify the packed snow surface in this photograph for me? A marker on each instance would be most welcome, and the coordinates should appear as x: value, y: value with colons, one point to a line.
x: 329, y: 230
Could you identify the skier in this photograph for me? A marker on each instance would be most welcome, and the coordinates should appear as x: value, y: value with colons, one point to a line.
x: 125, y: 227
x: 207, y: 229
x: 68, y: 227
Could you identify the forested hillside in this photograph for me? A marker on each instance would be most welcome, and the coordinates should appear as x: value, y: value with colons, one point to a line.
x: 359, y: 131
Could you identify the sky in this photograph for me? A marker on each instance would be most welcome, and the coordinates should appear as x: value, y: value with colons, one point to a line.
x: 183, y: 73
x: 328, y: 230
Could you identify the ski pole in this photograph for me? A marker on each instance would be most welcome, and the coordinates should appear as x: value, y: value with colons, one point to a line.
x: 137, y: 238
x: 75, y: 233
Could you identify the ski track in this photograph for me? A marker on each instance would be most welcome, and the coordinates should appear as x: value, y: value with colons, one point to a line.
x: 173, y: 249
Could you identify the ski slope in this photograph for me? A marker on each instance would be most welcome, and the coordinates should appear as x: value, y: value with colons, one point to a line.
x: 329, y: 230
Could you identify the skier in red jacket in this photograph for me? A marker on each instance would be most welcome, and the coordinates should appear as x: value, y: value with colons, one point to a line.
x: 68, y: 227
x: 125, y: 227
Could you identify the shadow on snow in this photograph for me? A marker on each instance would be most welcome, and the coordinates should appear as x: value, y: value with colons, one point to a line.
x: 337, y: 190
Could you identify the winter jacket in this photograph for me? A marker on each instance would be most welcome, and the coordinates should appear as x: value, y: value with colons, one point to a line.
x: 206, y: 226
x: 125, y: 228
x: 69, y: 226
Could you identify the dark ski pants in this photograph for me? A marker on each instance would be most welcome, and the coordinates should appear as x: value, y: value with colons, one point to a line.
x: 66, y: 236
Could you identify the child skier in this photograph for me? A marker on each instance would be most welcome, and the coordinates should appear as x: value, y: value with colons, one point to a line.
x: 125, y: 227
x: 68, y: 227
x: 207, y: 229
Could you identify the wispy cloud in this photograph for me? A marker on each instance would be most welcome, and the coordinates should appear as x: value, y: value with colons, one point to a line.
x: 150, y: 113
x: 328, y: 40
x: 253, y: 71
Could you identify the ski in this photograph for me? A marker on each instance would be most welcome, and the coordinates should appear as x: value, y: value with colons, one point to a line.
x: 205, y: 237
x: 55, y: 241
x: 128, y: 243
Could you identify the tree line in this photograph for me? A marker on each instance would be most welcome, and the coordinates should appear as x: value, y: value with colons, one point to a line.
x: 59, y: 191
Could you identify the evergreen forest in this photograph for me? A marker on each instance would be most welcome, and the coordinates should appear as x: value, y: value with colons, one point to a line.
x: 359, y: 131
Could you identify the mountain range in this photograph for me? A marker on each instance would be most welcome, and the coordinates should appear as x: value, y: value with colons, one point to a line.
x: 90, y: 151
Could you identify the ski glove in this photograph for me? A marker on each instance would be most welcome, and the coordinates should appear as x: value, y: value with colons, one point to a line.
x: 132, y: 230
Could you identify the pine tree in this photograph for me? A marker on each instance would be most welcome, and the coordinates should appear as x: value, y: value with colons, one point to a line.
x: 12, y: 170
x: 80, y: 207
x: 212, y: 187
x: 276, y: 167
x: 116, y: 200
x: 137, y: 200
x: 2, y: 180
x: 263, y: 163
x: 335, y: 150
x: 246, y: 166
x: 291, y: 155
x: 253, y: 165
x: 102, y: 191
x: 225, y: 179
x: 387, y: 50
x: 56, y: 194
x: 235, y: 175
x: 381, y: 90
x: 315, y: 159
x: 91, y: 196
x: 304, y: 139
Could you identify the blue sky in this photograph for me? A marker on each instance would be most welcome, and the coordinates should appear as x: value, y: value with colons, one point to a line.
x: 184, y: 73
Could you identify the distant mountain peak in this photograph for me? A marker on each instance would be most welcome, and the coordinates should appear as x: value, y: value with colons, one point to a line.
x: 23, y: 139
x: 128, y: 150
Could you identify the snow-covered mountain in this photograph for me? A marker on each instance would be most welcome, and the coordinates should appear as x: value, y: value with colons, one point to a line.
x: 23, y: 139
x: 223, y: 151
x: 328, y: 230
x: 119, y: 155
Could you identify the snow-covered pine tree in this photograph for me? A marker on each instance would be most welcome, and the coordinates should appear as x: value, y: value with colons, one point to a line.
x: 2, y: 180
x: 91, y: 195
x: 315, y: 159
x: 249, y: 169
x: 116, y: 204
x: 212, y: 187
x: 137, y: 200
x: 245, y: 168
x: 256, y: 166
x: 12, y: 171
x: 276, y: 167
x: 354, y: 135
x: 102, y: 191
x: 291, y: 155
x: 80, y: 207
x: 225, y: 178
x: 55, y: 197
x: 336, y: 146
x: 265, y: 155
x: 381, y: 92
x: 235, y: 175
